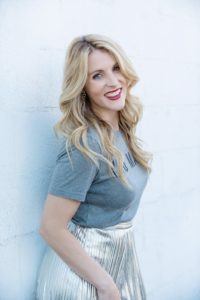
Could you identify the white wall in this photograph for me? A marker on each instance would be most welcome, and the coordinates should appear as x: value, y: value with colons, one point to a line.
x: 161, y: 39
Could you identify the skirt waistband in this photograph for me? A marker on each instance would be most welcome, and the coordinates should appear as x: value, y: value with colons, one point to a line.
x: 122, y: 225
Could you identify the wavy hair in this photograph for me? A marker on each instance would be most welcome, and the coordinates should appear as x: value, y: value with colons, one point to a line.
x: 78, y: 115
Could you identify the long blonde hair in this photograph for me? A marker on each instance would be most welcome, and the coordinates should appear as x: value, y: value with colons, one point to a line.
x: 78, y: 115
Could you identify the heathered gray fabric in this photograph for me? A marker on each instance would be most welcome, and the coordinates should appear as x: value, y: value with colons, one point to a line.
x: 105, y: 201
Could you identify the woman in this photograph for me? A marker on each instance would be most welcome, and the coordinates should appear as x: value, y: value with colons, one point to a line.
x: 99, y: 177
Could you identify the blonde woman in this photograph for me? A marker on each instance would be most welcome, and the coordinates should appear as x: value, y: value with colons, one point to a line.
x: 99, y: 177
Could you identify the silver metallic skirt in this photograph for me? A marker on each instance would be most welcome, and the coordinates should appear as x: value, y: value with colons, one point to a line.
x: 113, y: 247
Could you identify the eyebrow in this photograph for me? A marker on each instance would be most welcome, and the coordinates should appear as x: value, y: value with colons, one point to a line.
x: 101, y: 70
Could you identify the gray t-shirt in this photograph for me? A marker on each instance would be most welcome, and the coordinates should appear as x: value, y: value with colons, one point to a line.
x: 105, y: 201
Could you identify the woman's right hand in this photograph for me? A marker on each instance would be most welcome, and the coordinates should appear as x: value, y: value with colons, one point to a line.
x: 109, y: 293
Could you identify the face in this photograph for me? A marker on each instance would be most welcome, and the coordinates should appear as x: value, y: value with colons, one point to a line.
x: 106, y: 87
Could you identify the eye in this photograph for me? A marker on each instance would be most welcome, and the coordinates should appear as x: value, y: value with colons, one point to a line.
x: 97, y: 76
x: 116, y: 67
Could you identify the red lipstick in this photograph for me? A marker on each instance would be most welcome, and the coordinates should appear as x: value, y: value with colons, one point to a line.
x: 116, y: 97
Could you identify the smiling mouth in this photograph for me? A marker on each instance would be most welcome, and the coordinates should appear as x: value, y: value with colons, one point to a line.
x: 113, y: 93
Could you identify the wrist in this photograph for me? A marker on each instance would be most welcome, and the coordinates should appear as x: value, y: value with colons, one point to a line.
x: 104, y: 283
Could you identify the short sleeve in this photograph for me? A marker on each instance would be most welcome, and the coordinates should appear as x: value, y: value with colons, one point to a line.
x: 72, y: 177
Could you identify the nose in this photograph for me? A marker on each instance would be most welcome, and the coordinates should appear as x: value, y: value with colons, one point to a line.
x: 112, y: 80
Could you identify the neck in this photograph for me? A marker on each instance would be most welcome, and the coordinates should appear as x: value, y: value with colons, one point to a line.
x: 111, y: 117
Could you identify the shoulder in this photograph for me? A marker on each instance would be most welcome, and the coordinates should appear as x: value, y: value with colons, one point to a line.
x: 93, y: 142
x: 93, y: 138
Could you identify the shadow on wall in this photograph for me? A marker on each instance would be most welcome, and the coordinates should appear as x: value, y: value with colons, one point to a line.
x: 42, y: 150
x: 33, y: 148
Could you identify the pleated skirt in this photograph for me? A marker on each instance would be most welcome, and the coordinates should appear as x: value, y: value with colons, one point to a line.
x: 113, y: 247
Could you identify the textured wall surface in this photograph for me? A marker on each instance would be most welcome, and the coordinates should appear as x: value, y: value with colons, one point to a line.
x: 161, y: 39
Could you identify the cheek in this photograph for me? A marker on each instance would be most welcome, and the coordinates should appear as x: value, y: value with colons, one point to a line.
x: 123, y: 79
x: 96, y: 89
x: 94, y: 92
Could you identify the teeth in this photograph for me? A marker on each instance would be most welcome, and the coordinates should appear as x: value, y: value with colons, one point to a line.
x: 114, y: 94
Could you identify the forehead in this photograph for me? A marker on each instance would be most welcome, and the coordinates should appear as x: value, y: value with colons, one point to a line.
x: 100, y: 60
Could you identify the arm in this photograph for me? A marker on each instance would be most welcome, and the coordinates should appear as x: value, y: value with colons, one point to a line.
x: 57, y: 213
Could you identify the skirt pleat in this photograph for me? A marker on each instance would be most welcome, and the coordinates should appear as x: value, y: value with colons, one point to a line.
x: 113, y: 247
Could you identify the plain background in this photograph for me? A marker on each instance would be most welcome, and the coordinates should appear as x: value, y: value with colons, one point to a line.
x: 162, y: 40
